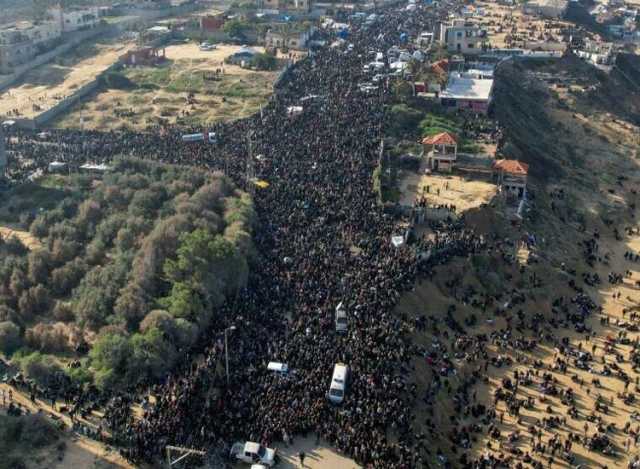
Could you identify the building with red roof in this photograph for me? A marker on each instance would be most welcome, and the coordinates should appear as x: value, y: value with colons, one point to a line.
x: 511, y: 177
x: 441, y: 151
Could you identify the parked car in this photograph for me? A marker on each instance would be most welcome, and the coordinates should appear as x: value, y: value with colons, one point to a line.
x: 253, y: 453
x: 205, y: 46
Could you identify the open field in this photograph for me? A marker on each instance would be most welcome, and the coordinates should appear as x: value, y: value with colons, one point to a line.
x: 160, y: 94
x: 45, y: 86
x: 509, y: 27
x: 446, y: 190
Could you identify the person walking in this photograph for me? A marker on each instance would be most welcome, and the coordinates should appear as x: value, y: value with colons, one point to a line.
x: 301, y: 455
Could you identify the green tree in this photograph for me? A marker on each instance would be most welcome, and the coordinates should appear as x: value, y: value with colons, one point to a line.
x: 10, y: 339
x: 264, y: 62
x: 234, y: 27
x: 109, y: 358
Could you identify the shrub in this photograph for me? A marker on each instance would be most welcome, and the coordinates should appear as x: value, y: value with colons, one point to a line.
x: 10, y: 339
x: 43, y: 369
x: 49, y: 337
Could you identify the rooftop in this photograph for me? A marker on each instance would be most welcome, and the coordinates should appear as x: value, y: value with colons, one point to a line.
x: 560, y: 4
x: 512, y: 166
x: 460, y: 87
x: 443, y: 138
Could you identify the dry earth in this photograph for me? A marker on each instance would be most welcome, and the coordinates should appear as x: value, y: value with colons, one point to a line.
x: 237, y: 93
x: 44, y: 86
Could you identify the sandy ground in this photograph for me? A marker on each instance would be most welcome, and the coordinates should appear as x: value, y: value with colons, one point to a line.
x: 505, y: 24
x: 237, y: 93
x: 446, y: 190
x: 619, y: 413
x: 25, y: 237
x: 46, y: 85
x: 80, y: 452
x: 316, y: 456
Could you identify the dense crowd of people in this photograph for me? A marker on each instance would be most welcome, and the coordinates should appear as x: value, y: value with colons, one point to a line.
x: 324, y: 240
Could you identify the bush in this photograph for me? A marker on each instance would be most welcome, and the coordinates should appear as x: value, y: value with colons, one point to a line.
x: 117, y: 81
x: 43, y: 369
x: 403, y: 120
x: 27, y: 432
x: 49, y: 337
x: 263, y: 61
x: 10, y: 339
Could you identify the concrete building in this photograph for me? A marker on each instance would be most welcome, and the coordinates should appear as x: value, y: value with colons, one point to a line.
x: 211, y: 23
x: 467, y: 92
x: 279, y: 37
x: 24, y: 40
x: 546, y: 8
x: 74, y: 20
x: 511, y: 177
x: 242, y: 57
x: 462, y: 37
x: 299, y: 6
x: 440, y: 151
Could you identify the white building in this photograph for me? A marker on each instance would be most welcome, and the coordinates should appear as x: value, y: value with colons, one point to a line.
x: 546, y: 8
x: 280, y: 37
x: 467, y: 92
x: 73, y: 20
x: 462, y: 37
x: 24, y: 40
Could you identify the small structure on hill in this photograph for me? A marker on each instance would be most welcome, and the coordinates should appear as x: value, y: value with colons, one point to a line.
x: 288, y: 36
x: 145, y: 56
x: 212, y: 23
x: 441, y: 151
x: 511, y: 177
x: 546, y: 8
x: 243, y: 56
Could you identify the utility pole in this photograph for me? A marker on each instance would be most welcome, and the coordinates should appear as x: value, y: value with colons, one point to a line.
x: 185, y: 452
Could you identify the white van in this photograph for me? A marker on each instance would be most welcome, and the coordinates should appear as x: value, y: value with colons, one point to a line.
x: 277, y: 367
x: 341, y: 318
x: 338, y: 383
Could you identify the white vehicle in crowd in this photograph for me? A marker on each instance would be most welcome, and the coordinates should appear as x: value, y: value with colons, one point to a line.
x: 377, y: 66
x: 253, y: 453
x: 339, y: 381
x: 342, y: 323
x: 281, y: 369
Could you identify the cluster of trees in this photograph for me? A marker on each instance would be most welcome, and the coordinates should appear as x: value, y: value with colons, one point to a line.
x: 132, y: 268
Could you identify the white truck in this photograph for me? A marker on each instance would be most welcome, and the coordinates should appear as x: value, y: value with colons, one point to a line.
x: 253, y: 453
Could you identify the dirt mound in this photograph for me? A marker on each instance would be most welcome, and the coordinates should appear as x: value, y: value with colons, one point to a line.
x: 519, y: 103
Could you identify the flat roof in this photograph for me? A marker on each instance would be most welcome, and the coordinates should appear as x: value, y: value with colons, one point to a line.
x: 467, y: 88
x: 560, y: 4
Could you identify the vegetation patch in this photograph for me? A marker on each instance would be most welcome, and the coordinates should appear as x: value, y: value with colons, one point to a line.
x: 132, y: 268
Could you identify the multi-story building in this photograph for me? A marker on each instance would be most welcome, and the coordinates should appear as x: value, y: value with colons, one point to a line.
x: 546, y: 8
x: 301, y: 6
x: 463, y: 37
x: 22, y: 41
x: 73, y: 20
x: 288, y: 37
